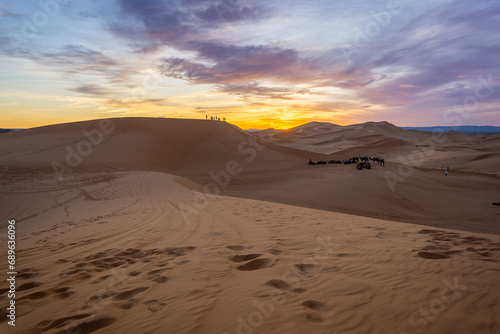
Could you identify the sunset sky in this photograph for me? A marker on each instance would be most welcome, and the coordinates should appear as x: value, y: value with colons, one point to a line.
x: 258, y: 63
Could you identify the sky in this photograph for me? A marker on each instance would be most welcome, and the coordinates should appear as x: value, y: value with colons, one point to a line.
x: 259, y: 64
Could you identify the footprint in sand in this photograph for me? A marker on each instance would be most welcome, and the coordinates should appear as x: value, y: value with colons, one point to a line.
x: 275, y: 251
x: 282, y: 285
x: 104, y: 295
x: 119, y: 258
x: 236, y: 247
x: 154, y: 305
x: 77, y: 275
x: 63, y: 293
x: 129, y: 293
x: 59, y: 293
x: 278, y: 284
x: 444, y: 244
x: 155, y: 276
x: 376, y: 228
x: 90, y: 326
x: 159, y: 279
x: 128, y: 304
x: 307, y: 268
x: 81, y: 277
x: 255, y: 265
x: 162, y: 264
x: 58, y: 323
x: 27, y: 273
x: 314, y: 318
x: 3, y: 293
x: 432, y: 255
x: 29, y: 285
x: 36, y: 295
x: 101, y: 279
x: 314, y: 305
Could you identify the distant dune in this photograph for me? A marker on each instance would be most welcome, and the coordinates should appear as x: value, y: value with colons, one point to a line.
x: 330, y: 138
x: 142, y: 225
x: 384, y: 139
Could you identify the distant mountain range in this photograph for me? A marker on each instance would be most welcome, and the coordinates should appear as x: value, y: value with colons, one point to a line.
x: 469, y: 129
x: 6, y: 130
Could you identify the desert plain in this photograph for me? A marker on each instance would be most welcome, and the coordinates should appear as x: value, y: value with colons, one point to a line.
x: 151, y: 225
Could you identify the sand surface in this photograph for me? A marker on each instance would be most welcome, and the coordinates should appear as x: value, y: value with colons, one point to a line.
x: 127, y: 241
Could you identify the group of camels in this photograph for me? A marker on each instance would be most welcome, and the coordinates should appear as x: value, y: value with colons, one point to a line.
x: 364, y: 162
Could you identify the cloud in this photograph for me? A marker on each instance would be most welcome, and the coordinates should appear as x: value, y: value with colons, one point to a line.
x: 429, y: 57
x: 241, y: 70
x: 151, y: 24
x: 77, y: 59
x: 92, y: 89
x: 252, y: 90
x: 411, y: 68
x: 431, y: 61
x: 232, y: 11
x: 232, y: 64
x: 78, y: 55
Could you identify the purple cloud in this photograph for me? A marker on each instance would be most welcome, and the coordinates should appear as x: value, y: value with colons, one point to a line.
x: 251, y: 90
x: 232, y: 64
x: 439, y: 60
x: 178, y: 23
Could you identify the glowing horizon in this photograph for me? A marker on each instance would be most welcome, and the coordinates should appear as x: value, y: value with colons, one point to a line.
x: 260, y: 65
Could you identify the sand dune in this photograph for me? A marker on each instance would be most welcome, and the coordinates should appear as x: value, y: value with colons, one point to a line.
x: 123, y: 258
x: 383, y: 139
x: 128, y: 241
x: 460, y: 201
x: 330, y: 138
x: 221, y: 158
x: 140, y: 144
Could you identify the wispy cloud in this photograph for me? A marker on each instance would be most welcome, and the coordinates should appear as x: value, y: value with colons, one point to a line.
x: 92, y: 89
x: 252, y: 90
